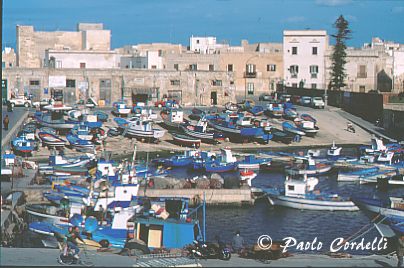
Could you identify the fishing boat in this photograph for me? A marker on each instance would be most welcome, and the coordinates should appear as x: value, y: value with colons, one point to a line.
x: 101, y: 116
x: 356, y: 174
x: 56, y: 214
x: 172, y: 118
x: 391, y: 181
x: 48, y: 130
x: 274, y: 109
x: 140, y: 110
x: 250, y: 162
x: 22, y: 145
x: 307, y: 117
x: 231, y: 125
x: 82, y: 131
x: 255, y: 110
x: 300, y: 194
x: 51, y: 140
x: 394, y: 207
x: 274, y: 166
x: 120, y: 109
x: 60, y: 170
x: 196, y: 113
x: 288, y: 127
x: 372, y: 178
x: 83, y: 117
x: 30, y: 136
x: 141, y: 128
x: 334, y: 152
x: 87, y: 160
x: 29, y: 128
x: 202, y: 158
x: 185, y: 140
x: 309, y: 166
x: 290, y: 113
x: 80, y: 144
x: 179, y: 160
x: 54, y: 117
x: 281, y: 136
x: 200, y: 131
x: 225, y: 162
x: 307, y: 127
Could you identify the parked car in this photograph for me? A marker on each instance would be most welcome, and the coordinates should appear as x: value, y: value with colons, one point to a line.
x: 162, y: 103
x: 295, y: 99
x: 42, y: 102
x: 305, y: 100
x: 20, y: 101
x: 247, y: 103
x: 317, y: 102
x: 285, y: 97
x: 265, y: 97
x: 91, y: 103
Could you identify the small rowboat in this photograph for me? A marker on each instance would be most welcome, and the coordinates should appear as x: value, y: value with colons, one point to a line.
x: 290, y: 113
x: 307, y: 117
x: 48, y: 130
x: 51, y: 140
x: 196, y: 114
x: 185, y: 140
x: 79, y: 144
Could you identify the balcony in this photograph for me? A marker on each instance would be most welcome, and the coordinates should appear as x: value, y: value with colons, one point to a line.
x: 363, y: 75
x: 250, y: 74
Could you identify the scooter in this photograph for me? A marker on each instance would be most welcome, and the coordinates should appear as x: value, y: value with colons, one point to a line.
x: 210, y: 250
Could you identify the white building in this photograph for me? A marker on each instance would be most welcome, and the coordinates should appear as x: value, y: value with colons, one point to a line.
x: 66, y: 58
x: 303, y: 54
x: 205, y: 45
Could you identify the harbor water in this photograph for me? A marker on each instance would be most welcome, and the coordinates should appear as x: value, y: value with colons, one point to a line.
x: 317, y: 230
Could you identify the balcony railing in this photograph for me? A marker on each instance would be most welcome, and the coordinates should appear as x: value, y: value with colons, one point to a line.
x: 250, y: 74
x: 362, y: 75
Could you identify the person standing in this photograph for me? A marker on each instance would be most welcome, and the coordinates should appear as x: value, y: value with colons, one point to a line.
x: 6, y: 121
x: 400, y: 250
x: 238, y: 242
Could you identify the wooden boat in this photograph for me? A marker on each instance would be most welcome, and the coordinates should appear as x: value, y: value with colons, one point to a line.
x: 226, y: 162
x: 274, y: 166
x: 200, y: 131
x: 179, y: 160
x: 309, y: 166
x: 51, y: 140
x: 172, y: 118
x: 83, y: 117
x: 54, y: 117
x: 288, y: 127
x: 80, y: 144
x: 120, y: 109
x: 290, y: 113
x: 196, y: 113
x: 101, y: 116
x: 229, y: 124
x: 141, y: 128
x: 202, y: 158
x: 388, y: 208
x: 256, y: 110
x: 300, y: 194
x: 60, y: 170
x: 307, y: 127
x: 250, y: 162
x: 87, y: 160
x: 280, y: 135
x: 356, y: 174
x: 22, y: 145
x: 184, y: 140
x: 307, y: 117
x: 29, y: 128
x: 372, y: 178
x: 30, y: 136
x: 334, y: 152
x: 52, y: 213
x: 48, y: 130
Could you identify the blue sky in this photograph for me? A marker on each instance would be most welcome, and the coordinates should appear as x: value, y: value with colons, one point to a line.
x: 135, y: 22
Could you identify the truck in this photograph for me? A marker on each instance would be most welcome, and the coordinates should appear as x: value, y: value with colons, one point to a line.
x: 20, y: 101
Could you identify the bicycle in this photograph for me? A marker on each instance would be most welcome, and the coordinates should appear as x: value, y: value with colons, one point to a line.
x: 69, y: 258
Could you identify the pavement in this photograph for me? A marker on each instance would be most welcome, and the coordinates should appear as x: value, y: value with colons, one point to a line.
x: 48, y: 257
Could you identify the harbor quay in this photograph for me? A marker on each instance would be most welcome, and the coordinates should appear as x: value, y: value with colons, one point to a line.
x: 332, y: 124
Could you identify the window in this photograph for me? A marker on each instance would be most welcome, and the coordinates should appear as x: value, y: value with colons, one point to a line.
x: 175, y: 82
x: 294, y: 70
x: 70, y: 83
x: 217, y: 83
x: 154, y: 67
x: 230, y: 67
x: 197, y: 41
x: 313, y: 86
x: 362, y: 71
x: 176, y: 66
x: 211, y: 67
x: 271, y: 68
x: 313, y: 71
x: 294, y: 50
x: 291, y: 187
x: 34, y: 82
x: 231, y: 82
x: 362, y: 89
x: 82, y: 65
x: 250, y: 88
x: 250, y: 68
x: 193, y: 67
x: 314, y: 50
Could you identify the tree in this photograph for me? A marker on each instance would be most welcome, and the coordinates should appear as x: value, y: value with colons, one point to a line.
x: 339, y: 54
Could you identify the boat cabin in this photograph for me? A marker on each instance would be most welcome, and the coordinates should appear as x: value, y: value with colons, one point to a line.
x: 202, y: 125
x: 176, y: 116
x: 297, y: 187
x: 227, y: 156
x: 397, y: 203
x: 244, y: 121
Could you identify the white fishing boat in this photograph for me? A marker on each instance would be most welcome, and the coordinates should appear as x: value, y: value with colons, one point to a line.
x: 120, y: 109
x: 334, y: 152
x: 300, y: 194
x: 141, y: 128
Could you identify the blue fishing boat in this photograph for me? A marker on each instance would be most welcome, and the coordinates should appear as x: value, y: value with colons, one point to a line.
x: 308, y: 127
x: 54, y: 117
x: 22, y: 145
x: 307, y: 117
x: 229, y: 124
x: 393, y: 207
x: 225, y: 162
x: 299, y: 193
x: 356, y: 174
x: 173, y: 117
x: 288, y: 127
x: 290, y: 113
x: 120, y: 109
x: 196, y: 114
x: 80, y: 144
x: 51, y: 140
x: 200, y: 130
x: 251, y: 162
x: 257, y: 110
x: 281, y: 136
x: 179, y: 160
x: 274, y: 109
x: 144, y: 112
x: 88, y: 160
x: 309, y: 166
x: 202, y: 158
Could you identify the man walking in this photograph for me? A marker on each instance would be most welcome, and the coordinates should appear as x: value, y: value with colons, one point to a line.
x: 6, y: 121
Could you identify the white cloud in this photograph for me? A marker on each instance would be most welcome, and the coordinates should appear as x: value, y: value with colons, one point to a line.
x: 398, y: 9
x: 295, y: 19
x: 350, y: 18
x: 332, y: 2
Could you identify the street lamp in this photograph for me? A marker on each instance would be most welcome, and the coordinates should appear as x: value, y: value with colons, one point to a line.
x: 245, y: 93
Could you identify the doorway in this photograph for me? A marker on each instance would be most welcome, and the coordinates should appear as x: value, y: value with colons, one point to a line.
x: 213, y: 97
